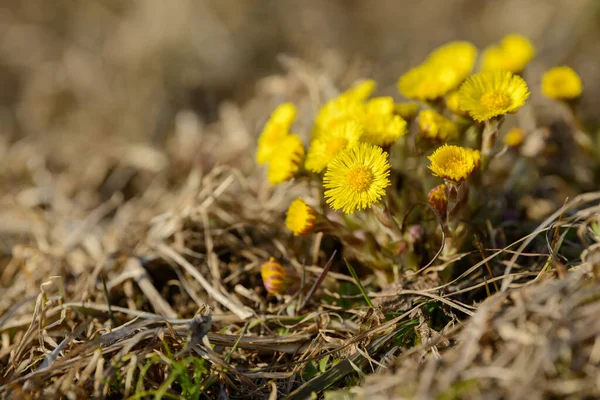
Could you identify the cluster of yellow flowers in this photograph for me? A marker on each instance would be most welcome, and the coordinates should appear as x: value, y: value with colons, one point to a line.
x: 353, y: 133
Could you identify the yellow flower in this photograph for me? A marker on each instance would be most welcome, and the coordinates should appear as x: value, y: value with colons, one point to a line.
x: 476, y: 154
x: 429, y: 81
x: 459, y: 55
x: 335, y: 111
x: 436, y: 127
x: 357, y: 178
x: 287, y: 158
x: 300, y: 218
x: 514, y: 137
x: 276, y: 128
x: 453, y: 163
x: 438, y: 200
x: 361, y: 91
x: 561, y: 83
x: 444, y: 69
x: 382, y: 127
x: 512, y: 54
x: 325, y: 147
x: 453, y: 103
x: 492, y: 93
x: 406, y: 109
x: 273, y: 276
x: 284, y: 114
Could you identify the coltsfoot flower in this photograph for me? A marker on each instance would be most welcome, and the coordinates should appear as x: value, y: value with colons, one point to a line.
x: 512, y: 54
x: 429, y: 81
x: 276, y: 128
x: 286, y: 161
x: 492, y: 93
x: 454, y: 163
x: 406, y: 109
x: 357, y: 178
x: 300, y: 218
x: 438, y: 200
x: 273, y: 276
x: 561, y: 83
x: 443, y: 70
x: 434, y: 126
x: 325, y: 147
x: 453, y: 103
x: 360, y: 91
x: 514, y: 137
x: 336, y: 111
x: 459, y: 55
x: 382, y: 126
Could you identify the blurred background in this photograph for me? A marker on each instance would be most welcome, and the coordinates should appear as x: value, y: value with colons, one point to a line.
x: 80, y: 78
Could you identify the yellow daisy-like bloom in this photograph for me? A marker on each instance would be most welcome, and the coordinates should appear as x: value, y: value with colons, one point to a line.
x: 438, y: 200
x: 357, y: 178
x: 434, y: 126
x: 273, y: 276
x: 491, y: 93
x: 453, y: 163
x: 284, y: 114
x: 429, y: 81
x: 476, y: 154
x: 361, y: 91
x: 407, y: 109
x: 514, y: 137
x: 459, y: 55
x: 286, y: 161
x: 512, y: 54
x: 444, y: 69
x: 453, y: 103
x: 300, y: 218
x: 561, y: 83
x: 382, y: 127
x: 276, y: 128
x: 335, y: 111
x: 325, y: 147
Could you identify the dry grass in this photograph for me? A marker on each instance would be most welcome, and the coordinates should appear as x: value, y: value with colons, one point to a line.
x: 134, y: 223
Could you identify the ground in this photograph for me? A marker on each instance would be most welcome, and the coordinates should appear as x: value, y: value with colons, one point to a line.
x: 134, y: 220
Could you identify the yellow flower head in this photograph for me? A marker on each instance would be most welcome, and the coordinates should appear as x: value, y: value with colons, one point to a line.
x: 276, y: 128
x: 273, y: 276
x: 357, y: 178
x: 444, y: 69
x: 429, y: 81
x: 325, y: 147
x: 453, y: 103
x: 407, y: 109
x: 284, y: 114
x: 438, y: 200
x: 512, y: 54
x: 492, y: 93
x: 287, y: 158
x: 514, y: 137
x: 335, y: 111
x: 561, y: 83
x: 453, y: 163
x: 382, y: 127
x: 300, y: 218
x: 476, y: 154
x: 434, y: 126
x: 361, y: 91
x: 459, y: 55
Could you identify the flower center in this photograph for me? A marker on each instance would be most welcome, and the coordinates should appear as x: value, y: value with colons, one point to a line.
x: 495, y: 101
x: 334, y: 145
x: 360, y: 178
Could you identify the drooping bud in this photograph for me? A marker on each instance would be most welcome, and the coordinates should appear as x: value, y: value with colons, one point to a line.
x: 438, y: 200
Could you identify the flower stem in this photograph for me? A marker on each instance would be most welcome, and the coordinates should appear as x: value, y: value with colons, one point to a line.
x: 489, y: 135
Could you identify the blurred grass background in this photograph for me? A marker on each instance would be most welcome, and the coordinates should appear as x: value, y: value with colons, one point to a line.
x: 81, y: 71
